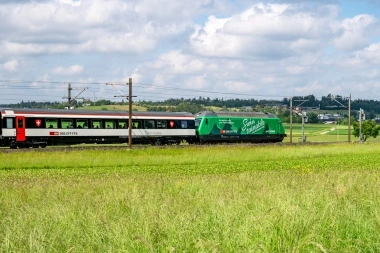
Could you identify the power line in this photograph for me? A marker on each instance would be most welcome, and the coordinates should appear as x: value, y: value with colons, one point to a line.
x: 144, y: 85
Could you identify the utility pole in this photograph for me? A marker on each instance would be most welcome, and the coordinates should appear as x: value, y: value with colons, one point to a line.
x: 69, y: 99
x: 361, y: 118
x: 304, y: 119
x: 349, y: 119
x: 69, y: 96
x: 360, y: 128
x: 130, y: 114
x: 290, y: 117
x: 129, y: 97
x: 349, y: 112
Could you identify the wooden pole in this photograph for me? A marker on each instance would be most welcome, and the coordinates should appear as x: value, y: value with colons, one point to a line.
x: 290, y: 117
x: 349, y: 119
x: 130, y: 114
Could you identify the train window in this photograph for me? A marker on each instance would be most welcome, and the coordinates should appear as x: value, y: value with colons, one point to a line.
x: 137, y: 124
x: 96, y: 124
x: 190, y: 124
x: 8, y: 123
x: 122, y: 124
x: 183, y: 124
x: 161, y: 124
x: 67, y: 123
x: 20, y: 123
x: 110, y: 123
x: 51, y: 123
x: 149, y: 124
x: 171, y: 124
x: 82, y: 123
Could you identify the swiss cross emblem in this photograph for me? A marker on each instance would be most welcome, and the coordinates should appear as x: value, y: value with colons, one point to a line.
x: 38, y: 122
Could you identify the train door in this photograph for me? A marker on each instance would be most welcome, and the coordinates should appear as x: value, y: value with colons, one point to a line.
x: 20, y: 128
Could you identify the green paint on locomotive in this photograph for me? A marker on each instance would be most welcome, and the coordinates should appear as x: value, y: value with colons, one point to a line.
x: 239, y: 126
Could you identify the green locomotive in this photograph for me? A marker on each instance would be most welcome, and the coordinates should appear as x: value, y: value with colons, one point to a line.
x: 214, y: 127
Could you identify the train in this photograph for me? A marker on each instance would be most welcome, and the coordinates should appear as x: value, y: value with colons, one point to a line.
x: 25, y: 128
x: 259, y: 127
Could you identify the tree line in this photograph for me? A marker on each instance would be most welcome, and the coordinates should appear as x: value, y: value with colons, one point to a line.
x: 313, y: 105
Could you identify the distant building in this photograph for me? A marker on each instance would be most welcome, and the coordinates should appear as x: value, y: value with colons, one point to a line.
x: 330, y: 119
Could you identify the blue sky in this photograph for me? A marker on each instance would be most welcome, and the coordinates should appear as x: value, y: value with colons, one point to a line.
x: 209, y: 48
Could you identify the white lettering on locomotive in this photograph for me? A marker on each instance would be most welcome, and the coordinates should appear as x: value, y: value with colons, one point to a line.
x: 251, y: 126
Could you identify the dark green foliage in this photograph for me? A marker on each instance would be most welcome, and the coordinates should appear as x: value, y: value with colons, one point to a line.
x: 369, y: 129
x: 312, y: 117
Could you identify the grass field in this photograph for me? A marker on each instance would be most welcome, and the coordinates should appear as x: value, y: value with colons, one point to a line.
x: 280, y: 198
x: 321, y: 133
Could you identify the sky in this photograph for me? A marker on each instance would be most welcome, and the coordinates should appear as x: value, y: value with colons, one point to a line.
x: 188, y: 49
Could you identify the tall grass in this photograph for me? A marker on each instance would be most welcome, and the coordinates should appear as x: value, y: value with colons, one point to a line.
x: 207, y: 199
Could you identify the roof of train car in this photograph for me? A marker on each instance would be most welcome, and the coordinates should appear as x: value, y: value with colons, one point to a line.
x: 235, y: 114
x: 34, y: 111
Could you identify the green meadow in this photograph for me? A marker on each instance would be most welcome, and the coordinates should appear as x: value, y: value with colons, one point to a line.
x: 320, y: 133
x: 245, y: 198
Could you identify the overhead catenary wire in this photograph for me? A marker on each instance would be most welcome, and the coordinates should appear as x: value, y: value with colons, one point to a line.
x: 142, y: 90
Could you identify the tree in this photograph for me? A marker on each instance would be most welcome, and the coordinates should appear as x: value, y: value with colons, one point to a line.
x: 369, y: 129
x: 312, y: 117
x: 371, y: 114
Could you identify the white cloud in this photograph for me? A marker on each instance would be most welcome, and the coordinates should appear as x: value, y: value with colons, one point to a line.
x: 174, y: 62
x: 11, y: 65
x: 354, y: 32
x: 71, y: 2
x: 370, y: 55
x: 245, y: 47
x: 70, y: 71
x: 274, y: 30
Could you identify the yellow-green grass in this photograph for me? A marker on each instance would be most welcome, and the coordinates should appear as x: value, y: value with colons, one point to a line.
x: 320, y: 133
x: 280, y: 198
